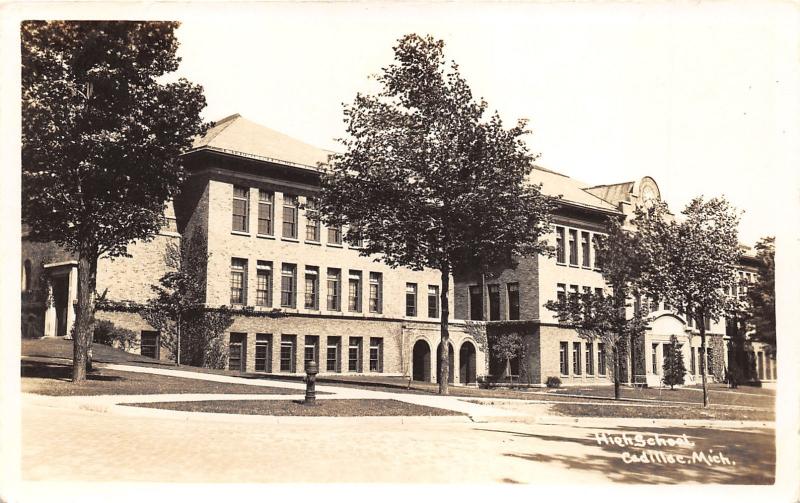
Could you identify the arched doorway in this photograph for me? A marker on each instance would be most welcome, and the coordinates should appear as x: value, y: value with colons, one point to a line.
x: 466, y: 360
x: 421, y: 361
x: 450, y: 361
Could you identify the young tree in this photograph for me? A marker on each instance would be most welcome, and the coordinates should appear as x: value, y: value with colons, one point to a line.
x: 674, y: 367
x: 427, y: 181
x: 761, y: 295
x: 506, y: 348
x: 598, y: 317
x: 693, y: 261
x: 101, y: 138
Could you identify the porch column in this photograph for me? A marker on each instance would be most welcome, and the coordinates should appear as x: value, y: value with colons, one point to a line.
x: 72, y: 297
x: 49, y: 312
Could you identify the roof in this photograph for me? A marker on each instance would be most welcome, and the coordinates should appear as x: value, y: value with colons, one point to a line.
x: 572, y: 191
x: 616, y: 192
x: 238, y: 136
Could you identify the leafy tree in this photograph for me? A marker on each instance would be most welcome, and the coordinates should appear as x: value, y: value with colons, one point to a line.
x: 427, y: 181
x: 507, y: 347
x: 693, y: 261
x: 674, y: 367
x: 598, y: 317
x: 761, y: 295
x: 101, y: 138
x: 191, y: 332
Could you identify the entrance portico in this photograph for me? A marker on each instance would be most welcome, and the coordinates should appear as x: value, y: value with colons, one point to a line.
x: 62, y: 293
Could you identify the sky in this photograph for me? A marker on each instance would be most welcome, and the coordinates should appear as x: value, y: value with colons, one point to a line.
x: 694, y: 95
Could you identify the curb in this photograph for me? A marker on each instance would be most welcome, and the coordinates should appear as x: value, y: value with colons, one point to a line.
x: 644, y: 422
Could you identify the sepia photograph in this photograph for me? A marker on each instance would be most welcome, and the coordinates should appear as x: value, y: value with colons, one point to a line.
x: 400, y: 250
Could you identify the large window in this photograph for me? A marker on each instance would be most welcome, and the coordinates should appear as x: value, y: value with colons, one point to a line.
x: 376, y: 354
x: 354, y: 292
x: 563, y: 358
x: 312, y: 220
x: 238, y: 281
x: 595, y: 245
x: 332, y: 354
x: 601, y: 358
x: 589, y: 358
x: 335, y: 235
x: 375, y: 292
x: 263, y: 283
x: 240, y: 208
x: 573, y: 247
x: 312, y: 288
x: 433, y: 301
x: 513, y: 301
x: 289, y: 216
x: 585, y: 249
x: 354, y: 354
x: 576, y: 358
x: 288, y: 285
x: 411, y: 299
x: 561, y: 292
x: 265, y: 201
x: 654, y: 357
x: 494, y: 302
x: 560, y: 252
x: 693, y: 355
x: 263, y: 353
x: 334, y: 289
x: 236, y: 350
x: 287, y: 353
x: 311, y: 352
x: 475, y: 302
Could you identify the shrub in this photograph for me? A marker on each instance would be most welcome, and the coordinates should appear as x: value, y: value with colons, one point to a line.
x: 553, y: 382
x: 105, y: 332
x: 734, y: 375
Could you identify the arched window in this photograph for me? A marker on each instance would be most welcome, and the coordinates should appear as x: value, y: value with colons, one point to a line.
x: 26, y: 276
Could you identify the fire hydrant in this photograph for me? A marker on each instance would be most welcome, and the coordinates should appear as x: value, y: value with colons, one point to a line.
x: 312, y: 369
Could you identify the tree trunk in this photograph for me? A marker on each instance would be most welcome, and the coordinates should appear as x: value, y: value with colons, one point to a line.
x: 702, y: 324
x: 445, y: 357
x: 615, y: 357
x: 178, y: 352
x: 84, y: 319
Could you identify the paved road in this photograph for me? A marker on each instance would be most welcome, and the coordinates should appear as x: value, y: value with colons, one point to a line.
x: 117, y: 447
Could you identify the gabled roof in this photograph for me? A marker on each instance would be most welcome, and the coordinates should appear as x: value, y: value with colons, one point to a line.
x: 238, y: 136
x: 616, y: 192
x: 571, y: 190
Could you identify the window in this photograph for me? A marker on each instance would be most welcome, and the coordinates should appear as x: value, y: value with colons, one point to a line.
x: 354, y: 355
x: 236, y: 349
x: 587, y: 307
x: 375, y: 292
x: 561, y: 292
x: 238, y: 281
x: 513, y: 301
x: 494, y: 302
x: 334, y: 282
x: 312, y: 288
x: 265, y: 200
x: 263, y: 353
x: 335, y: 235
x: 287, y: 353
x: 596, y: 245
x: 589, y: 358
x: 263, y: 283
x: 598, y: 292
x: 354, y: 292
x: 149, y: 344
x: 601, y: 358
x: 693, y: 355
x: 573, y: 247
x: 26, y: 276
x: 289, y: 216
x: 240, y: 207
x: 654, y: 357
x: 312, y: 220
x: 585, y: 249
x: 573, y: 291
x: 375, y: 354
x: 288, y: 285
x: 311, y: 352
x: 332, y: 354
x: 433, y: 301
x: 560, y: 252
x: 563, y: 358
x: 576, y: 358
x: 411, y: 299
x: 475, y: 302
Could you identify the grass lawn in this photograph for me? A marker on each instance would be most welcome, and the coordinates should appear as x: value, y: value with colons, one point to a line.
x: 719, y: 394
x: 660, y: 412
x: 46, y: 376
x: 334, y: 407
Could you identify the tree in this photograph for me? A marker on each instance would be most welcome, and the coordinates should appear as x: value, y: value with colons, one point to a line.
x: 674, y: 367
x: 761, y: 295
x: 101, y: 139
x: 598, y: 317
x: 693, y: 261
x: 507, y: 347
x: 426, y: 181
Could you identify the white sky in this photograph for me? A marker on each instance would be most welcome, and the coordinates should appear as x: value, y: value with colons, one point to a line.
x: 693, y: 95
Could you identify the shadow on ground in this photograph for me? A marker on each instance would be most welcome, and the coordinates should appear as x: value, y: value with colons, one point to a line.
x: 57, y: 371
x: 751, y: 452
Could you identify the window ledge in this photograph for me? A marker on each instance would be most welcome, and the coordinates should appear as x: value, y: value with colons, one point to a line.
x: 334, y: 245
x: 561, y: 263
x: 575, y: 266
x: 265, y: 236
x: 291, y: 240
x: 240, y: 233
x: 315, y: 243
